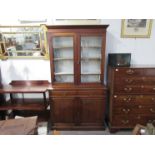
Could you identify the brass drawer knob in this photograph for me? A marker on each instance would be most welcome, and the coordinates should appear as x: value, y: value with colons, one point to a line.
x: 152, y: 110
x: 128, y: 80
x: 153, y: 88
x: 127, y: 99
x: 125, y: 121
x: 153, y: 99
x: 126, y: 110
x: 115, y: 96
x: 138, y: 117
x: 139, y: 106
x: 151, y: 121
x: 130, y: 71
x: 128, y: 89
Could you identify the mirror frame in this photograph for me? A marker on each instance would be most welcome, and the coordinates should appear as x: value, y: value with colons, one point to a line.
x: 43, y: 42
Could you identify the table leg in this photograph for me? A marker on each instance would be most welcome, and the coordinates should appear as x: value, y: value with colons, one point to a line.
x: 45, y: 100
x: 11, y: 98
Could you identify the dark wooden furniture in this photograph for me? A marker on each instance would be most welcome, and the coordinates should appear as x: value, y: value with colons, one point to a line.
x: 77, y: 55
x: 131, y: 96
x: 25, y: 104
x: 21, y: 126
x: 2, y: 98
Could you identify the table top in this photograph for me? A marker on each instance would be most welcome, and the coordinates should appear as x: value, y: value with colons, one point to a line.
x: 20, y: 126
x: 25, y: 89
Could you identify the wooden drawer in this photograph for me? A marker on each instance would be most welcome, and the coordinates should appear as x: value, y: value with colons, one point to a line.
x: 134, y: 72
x: 123, y: 121
x: 135, y: 109
x: 142, y: 89
x: 78, y: 93
x: 128, y: 72
x: 63, y: 93
x: 121, y: 100
x: 134, y: 81
x: 131, y: 120
x: 91, y: 93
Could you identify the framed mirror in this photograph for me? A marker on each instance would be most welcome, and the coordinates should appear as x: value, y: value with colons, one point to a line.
x: 23, y: 42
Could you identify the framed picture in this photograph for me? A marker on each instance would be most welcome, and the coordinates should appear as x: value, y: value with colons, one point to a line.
x: 24, y: 42
x: 136, y: 28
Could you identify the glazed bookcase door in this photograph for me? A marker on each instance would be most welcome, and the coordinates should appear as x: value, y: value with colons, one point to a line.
x: 91, y: 58
x: 63, y: 59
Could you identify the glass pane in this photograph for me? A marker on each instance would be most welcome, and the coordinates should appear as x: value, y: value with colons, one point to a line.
x: 63, y: 59
x: 62, y: 42
x: 91, y: 47
x: 90, y: 66
x: 90, y: 78
x: 64, y: 78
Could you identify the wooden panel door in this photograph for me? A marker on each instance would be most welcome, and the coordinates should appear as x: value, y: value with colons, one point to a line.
x: 63, y: 110
x: 92, y: 111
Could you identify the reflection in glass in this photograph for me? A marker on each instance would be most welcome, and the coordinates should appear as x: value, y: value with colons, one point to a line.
x: 90, y: 78
x: 91, y: 58
x: 24, y: 41
x: 63, y: 59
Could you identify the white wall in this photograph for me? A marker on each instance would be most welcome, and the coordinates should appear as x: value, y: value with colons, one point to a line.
x: 142, y: 50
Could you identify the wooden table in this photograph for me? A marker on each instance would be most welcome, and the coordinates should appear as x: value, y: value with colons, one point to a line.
x: 25, y: 87
x: 21, y: 126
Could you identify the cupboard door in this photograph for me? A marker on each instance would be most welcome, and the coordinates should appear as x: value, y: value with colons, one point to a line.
x: 91, y: 56
x: 63, y: 110
x: 92, y: 110
x: 63, y: 57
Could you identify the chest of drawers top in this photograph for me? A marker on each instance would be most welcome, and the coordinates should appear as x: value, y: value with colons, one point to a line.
x: 133, y: 80
x: 134, y: 72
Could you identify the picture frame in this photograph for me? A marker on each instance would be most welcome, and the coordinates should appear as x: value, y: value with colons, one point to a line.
x: 24, y: 42
x: 136, y: 28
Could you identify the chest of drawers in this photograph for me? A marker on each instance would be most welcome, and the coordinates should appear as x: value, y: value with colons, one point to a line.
x: 131, y: 97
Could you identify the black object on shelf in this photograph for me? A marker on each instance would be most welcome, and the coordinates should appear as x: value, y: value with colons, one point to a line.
x: 119, y: 59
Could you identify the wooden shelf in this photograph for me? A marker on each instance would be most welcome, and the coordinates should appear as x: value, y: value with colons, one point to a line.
x: 90, y: 73
x: 26, y: 104
x: 63, y: 73
x: 57, y: 59
x: 91, y: 47
x: 91, y: 58
x: 63, y: 47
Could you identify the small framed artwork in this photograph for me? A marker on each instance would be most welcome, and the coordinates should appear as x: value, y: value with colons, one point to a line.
x: 136, y: 28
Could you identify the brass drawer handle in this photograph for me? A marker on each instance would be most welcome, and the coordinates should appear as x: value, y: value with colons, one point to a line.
x: 130, y: 71
x: 128, y: 80
x: 138, y: 117
x: 125, y: 121
x: 151, y: 121
x: 153, y: 99
x: 153, y: 88
x: 139, y: 106
x: 115, y: 96
x: 126, y: 110
x: 128, y: 89
x: 152, y: 110
x: 127, y: 99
